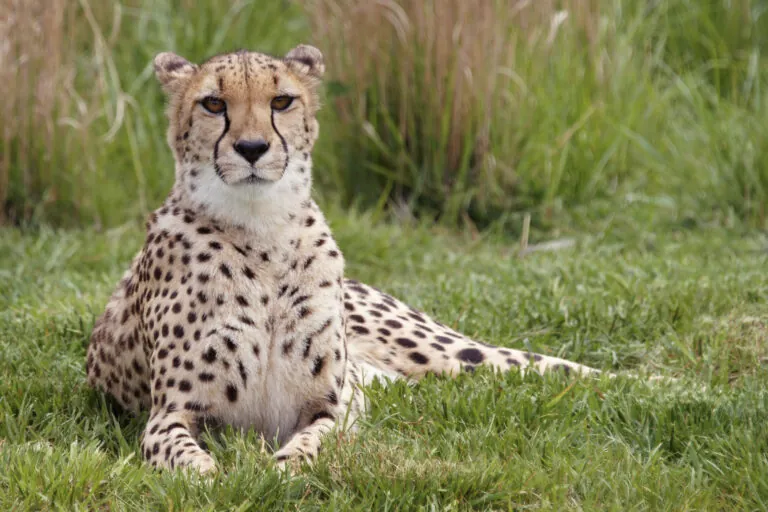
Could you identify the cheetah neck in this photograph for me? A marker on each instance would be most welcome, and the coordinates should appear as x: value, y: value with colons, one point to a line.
x: 263, y: 209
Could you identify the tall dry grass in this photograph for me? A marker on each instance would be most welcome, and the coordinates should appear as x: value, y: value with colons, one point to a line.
x: 423, y: 84
x: 463, y: 110
x: 35, y: 82
x: 54, y: 77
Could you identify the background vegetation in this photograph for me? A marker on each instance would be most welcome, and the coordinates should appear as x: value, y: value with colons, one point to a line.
x: 463, y: 111
x: 634, y: 133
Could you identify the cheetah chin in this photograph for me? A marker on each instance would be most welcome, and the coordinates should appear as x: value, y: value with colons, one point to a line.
x: 237, y: 309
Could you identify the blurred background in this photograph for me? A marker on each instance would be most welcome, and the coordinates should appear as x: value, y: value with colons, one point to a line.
x: 468, y: 113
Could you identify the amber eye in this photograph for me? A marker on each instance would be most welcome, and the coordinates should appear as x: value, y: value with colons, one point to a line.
x: 281, y: 102
x: 214, y: 105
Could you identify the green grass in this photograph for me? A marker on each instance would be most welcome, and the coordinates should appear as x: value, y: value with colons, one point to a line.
x: 689, y: 303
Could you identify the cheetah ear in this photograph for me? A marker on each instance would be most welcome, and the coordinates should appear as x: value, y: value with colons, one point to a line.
x: 173, y: 71
x: 305, y: 60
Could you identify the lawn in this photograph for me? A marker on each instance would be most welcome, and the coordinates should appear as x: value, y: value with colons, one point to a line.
x: 636, y: 132
x: 680, y: 302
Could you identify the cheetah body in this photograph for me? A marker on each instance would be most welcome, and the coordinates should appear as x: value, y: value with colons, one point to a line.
x: 237, y: 309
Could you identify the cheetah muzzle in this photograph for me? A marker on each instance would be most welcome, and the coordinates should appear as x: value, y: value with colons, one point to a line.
x: 236, y: 309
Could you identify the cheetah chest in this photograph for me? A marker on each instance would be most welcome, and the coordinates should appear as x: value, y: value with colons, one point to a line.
x: 255, y: 337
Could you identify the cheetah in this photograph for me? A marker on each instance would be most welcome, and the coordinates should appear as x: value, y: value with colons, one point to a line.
x: 237, y: 309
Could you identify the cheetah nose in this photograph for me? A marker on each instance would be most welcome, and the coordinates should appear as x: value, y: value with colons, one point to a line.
x: 251, y: 150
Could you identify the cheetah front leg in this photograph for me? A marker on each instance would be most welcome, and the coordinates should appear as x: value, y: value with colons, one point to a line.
x: 305, y: 444
x: 169, y: 441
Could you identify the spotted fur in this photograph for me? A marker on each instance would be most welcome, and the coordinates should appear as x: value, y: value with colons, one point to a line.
x: 237, y: 309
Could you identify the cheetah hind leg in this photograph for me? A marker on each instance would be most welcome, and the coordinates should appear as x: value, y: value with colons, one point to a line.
x: 399, y: 340
x: 169, y: 442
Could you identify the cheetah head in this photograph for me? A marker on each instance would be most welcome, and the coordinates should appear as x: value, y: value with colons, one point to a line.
x: 243, y: 119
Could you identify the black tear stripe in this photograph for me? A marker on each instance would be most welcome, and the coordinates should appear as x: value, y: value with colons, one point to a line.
x: 282, y: 140
x: 216, y: 147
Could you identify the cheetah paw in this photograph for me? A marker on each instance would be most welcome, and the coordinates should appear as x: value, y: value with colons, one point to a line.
x: 290, y: 459
x: 200, y: 463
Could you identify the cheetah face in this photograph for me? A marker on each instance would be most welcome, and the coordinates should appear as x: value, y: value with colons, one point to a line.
x: 244, y: 115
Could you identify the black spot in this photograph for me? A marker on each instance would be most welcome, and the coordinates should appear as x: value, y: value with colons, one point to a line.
x: 444, y: 339
x: 321, y: 415
x: 178, y: 331
x: 418, y: 358
x: 470, y: 355
x: 248, y: 273
x: 317, y: 366
x: 209, y: 356
x: 405, y: 342
x: 243, y: 373
x: 359, y: 329
x: 203, y: 257
x: 566, y: 369
x: 231, y: 345
x: 185, y: 386
x: 393, y: 324
x: 231, y: 393
x: 206, y: 377
x: 195, y: 406
x: 241, y: 300
x: 225, y: 270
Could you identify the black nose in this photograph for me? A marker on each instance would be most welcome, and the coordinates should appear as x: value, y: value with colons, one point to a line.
x: 251, y: 150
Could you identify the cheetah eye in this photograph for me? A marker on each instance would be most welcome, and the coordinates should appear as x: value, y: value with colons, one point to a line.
x: 214, y: 105
x: 281, y: 102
